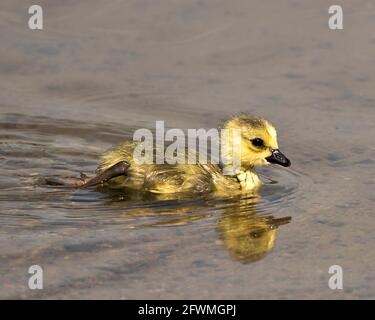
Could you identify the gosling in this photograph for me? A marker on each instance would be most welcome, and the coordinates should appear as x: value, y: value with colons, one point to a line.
x: 258, y: 147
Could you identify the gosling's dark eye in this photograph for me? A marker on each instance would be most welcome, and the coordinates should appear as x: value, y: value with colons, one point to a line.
x: 257, y: 142
x: 256, y: 234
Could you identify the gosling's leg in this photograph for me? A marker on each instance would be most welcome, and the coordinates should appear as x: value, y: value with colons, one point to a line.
x: 66, y: 181
x: 84, y: 181
x: 116, y: 170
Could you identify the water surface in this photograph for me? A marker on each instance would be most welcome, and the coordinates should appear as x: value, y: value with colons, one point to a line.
x: 87, y: 81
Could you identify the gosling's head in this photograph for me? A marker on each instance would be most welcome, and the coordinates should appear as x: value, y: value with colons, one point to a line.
x: 258, y: 141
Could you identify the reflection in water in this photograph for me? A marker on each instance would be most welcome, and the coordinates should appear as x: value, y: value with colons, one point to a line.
x: 246, y: 234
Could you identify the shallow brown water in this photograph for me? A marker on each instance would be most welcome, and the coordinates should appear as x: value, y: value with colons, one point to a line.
x: 96, y: 73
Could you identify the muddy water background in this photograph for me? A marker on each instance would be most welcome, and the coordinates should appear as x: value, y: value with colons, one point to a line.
x: 97, y: 71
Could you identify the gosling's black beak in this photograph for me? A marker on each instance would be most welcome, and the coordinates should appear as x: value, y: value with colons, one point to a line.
x: 276, y: 222
x: 279, y: 158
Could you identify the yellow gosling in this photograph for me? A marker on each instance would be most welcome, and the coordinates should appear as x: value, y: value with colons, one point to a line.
x: 258, y: 147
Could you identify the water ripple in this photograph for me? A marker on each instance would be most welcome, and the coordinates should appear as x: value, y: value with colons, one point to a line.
x: 33, y: 147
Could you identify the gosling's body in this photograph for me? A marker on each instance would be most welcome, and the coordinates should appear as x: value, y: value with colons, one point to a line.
x: 168, y: 178
x: 258, y: 147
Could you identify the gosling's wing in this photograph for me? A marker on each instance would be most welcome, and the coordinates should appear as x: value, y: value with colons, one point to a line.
x: 177, y: 179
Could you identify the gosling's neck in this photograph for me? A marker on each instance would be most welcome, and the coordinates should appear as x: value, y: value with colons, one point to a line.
x: 237, y: 166
x: 246, y: 177
x: 248, y: 180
